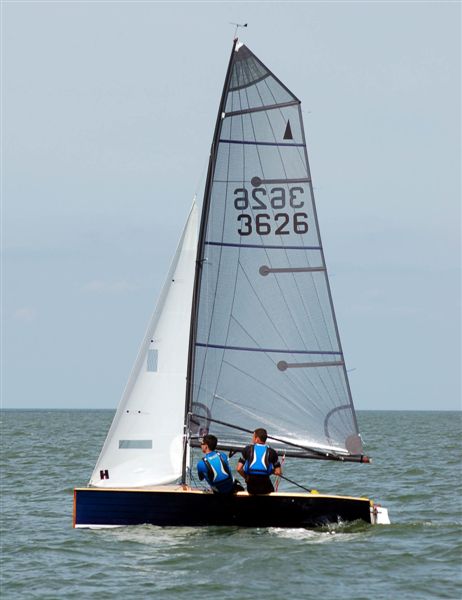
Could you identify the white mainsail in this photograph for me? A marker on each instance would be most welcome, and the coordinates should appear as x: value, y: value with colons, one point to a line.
x: 144, y: 443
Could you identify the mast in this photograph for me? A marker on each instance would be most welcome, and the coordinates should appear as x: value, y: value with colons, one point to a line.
x: 200, y: 259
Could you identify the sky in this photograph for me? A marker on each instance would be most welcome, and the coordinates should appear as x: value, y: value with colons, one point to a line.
x: 108, y: 111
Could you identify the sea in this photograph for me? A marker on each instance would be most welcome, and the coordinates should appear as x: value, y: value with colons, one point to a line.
x: 415, y: 473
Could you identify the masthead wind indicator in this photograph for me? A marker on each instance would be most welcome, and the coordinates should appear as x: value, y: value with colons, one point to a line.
x: 237, y: 25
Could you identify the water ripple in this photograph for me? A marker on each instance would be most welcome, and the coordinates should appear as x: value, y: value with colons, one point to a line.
x: 418, y: 556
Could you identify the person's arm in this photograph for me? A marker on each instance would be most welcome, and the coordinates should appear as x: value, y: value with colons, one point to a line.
x: 274, y: 458
x: 200, y: 470
x: 240, y: 469
x: 241, y: 463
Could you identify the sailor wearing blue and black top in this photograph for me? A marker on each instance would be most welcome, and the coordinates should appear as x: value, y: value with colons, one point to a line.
x: 257, y: 463
x: 214, y: 467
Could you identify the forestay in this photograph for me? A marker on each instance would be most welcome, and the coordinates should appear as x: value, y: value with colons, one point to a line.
x: 266, y: 346
x: 144, y: 443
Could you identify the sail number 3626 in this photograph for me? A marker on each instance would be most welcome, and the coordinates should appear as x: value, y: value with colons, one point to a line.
x: 264, y: 223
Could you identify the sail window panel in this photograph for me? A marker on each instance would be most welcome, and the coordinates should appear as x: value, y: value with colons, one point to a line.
x: 151, y: 360
x: 264, y: 126
x: 135, y: 444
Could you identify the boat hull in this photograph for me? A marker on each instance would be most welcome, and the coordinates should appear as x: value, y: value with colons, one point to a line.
x: 174, y: 506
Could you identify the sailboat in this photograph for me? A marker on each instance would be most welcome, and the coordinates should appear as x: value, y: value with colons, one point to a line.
x: 244, y: 335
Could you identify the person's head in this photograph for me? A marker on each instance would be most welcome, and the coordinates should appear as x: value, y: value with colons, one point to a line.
x: 209, y: 443
x: 260, y: 435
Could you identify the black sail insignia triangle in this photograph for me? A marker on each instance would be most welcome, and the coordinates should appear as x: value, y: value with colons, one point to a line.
x: 288, y: 133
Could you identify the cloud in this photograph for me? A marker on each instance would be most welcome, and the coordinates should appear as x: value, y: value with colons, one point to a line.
x: 26, y: 314
x: 112, y: 287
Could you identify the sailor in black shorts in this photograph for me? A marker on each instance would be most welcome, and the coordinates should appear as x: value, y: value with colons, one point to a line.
x: 257, y: 463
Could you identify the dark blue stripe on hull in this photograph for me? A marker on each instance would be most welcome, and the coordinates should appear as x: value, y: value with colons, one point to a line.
x: 117, y: 507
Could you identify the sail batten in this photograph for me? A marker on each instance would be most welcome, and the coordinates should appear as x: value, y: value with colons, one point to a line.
x: 278, y: 350
x: 262, y: 246
x: 264, y: 330
x: 255, y: 143
x: 244, y: 111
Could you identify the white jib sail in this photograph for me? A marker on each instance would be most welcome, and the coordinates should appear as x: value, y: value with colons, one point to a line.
x: 144, y: 443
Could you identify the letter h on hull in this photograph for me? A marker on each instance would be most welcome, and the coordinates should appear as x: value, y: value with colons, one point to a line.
x: 104, y: 474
